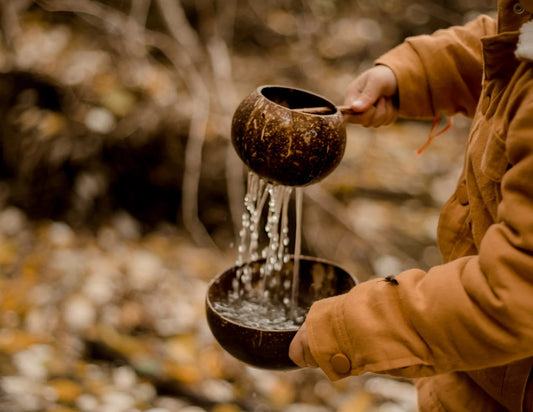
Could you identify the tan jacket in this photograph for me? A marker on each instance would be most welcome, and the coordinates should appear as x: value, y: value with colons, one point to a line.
x: 466, y: 324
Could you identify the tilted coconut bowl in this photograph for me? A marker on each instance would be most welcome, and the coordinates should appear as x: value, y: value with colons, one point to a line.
x: 281, y: 142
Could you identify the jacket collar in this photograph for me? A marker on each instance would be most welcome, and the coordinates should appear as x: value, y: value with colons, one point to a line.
x: 511, y: 15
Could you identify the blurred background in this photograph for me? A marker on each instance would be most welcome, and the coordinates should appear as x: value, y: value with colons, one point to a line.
x: 121, y: 196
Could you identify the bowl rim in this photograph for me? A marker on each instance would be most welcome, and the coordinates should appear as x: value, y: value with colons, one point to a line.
x: 334, y: 109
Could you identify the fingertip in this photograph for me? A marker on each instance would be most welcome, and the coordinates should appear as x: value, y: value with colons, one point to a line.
x: 358, y: 105
x: 296, y: 352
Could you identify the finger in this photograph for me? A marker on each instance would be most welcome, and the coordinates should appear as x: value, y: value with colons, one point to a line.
x: 296, y: 351
x: 365, y: 118
x: 367, y: 88
x: 358, y: 96
x: 365, y: 100
x: 309, y: 358
x: 299, y: 350
x: 380, y: 114
x: 384, y: 113
x: 392, y: 112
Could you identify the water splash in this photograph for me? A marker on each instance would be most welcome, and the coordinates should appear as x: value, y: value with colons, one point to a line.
x: 271, y: 300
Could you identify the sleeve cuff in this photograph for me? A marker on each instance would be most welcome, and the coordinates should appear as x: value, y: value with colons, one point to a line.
x: 413, y: 92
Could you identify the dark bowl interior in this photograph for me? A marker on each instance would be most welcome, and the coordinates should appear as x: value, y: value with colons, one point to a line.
x: 263, y: 348
x: 292, y: 99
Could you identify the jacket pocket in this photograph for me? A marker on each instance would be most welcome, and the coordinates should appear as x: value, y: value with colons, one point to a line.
x: 454, y: 231
x: 494, y: 162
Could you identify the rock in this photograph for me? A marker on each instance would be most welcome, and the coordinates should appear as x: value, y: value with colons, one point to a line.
x: 79, y: 312
x: 124, y: 378
x: 12, y: 221
x: 217, y: 390
x: 87, y: 403
x: 100, y: 120
x: 99, y: 288
x: 31, y: 362
x: 60, y: 234
x: 126, y: 226
x: 144, y: 269
x: 117, y: 401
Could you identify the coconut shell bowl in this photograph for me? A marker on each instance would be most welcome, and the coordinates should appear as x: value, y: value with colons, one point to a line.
x: 266, y: 348
x: 288, y: 136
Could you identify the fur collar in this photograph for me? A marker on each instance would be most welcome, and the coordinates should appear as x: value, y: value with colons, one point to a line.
x: 524, y: 48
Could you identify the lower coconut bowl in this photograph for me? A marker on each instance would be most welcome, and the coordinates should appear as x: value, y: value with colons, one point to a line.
x: 263, y: 347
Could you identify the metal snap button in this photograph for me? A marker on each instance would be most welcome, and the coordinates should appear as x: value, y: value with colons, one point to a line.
x: 518, y: 9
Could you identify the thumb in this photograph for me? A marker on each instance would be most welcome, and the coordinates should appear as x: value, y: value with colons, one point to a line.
x: 299, y: 350
x: 369, y: 87
x: 365, y: 98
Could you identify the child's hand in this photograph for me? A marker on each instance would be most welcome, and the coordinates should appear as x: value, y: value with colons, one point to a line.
x: 372, y: 96
x: 299, y: 350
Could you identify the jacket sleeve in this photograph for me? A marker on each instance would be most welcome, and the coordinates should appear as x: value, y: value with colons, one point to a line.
x: 470, y: 313
x: 442, y: 72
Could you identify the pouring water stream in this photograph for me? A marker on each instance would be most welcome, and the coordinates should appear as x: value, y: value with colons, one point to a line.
x: 253, y: 303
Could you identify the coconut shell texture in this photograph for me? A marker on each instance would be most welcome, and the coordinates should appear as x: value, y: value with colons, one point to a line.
x: 284, y: 145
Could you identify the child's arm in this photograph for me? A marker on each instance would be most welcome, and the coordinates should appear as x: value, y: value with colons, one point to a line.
x: 471, y: 313
x: 442, y: 72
